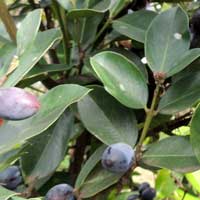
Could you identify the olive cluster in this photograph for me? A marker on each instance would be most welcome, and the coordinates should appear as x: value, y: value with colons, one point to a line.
x: 145, y: 193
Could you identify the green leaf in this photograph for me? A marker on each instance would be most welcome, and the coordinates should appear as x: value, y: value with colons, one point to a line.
x: 68, y: 5
x: 107, y: 119
x: 41, y: 69
x: 83, y: 25
x: 53, y: 105
x: 195, y: 132
x: 6, y: 54
x: 124, y: 195
x: 80, y: 4
x: 116, y: 6
x: 20, y: 198
x: 134, y: 25
x: 174, y: 153
x: 32, y: 55
x: 3, y: 41
x: 78, y: 13
x: 121, y: 78
x: 50, y: 144
x: 180, y: 194
x: 26, y: 82
x: 165, y: 185
x: 3, y: 31
x: 181, y: 95
x: 133, y: 58
x: 6, y: 194
x: 102, y: 5
x: 9, y: 157
x: 89, y: 166
x: 167, y: 42
x: 192, y: 68
x: 194, y: 180
x: 99, y: 180
x: 112, y: 36
x: 28, y: 30
x: 187, y: 58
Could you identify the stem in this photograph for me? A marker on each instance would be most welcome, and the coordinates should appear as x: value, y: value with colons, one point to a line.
x: 36, y: 89
x: 102, y: 29
x: 184, y: 195
x: 8, y: 21
x: 3, y: 80
x: 99, y: 33
x: 60, y: 12
x: 149, y: 117
x: 78, y: 156
x: 108, y: 22
x: 50, y: 24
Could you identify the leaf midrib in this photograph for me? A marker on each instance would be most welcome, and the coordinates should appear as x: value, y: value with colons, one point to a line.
x: 119, y: 133
x: 167, y: 45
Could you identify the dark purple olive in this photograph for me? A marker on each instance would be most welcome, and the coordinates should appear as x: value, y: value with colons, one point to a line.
x: 143, y: 186
x: 60, y: 192
x: 148, y: 194
x: 11, y: 177
x: 118, y: 157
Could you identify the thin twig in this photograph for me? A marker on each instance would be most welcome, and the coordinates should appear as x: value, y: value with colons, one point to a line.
x: 60, y: 13
x: 36, y: 89
x: 149, y: 117
x: 184, y: 195
x: 8, y: 20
